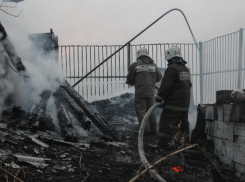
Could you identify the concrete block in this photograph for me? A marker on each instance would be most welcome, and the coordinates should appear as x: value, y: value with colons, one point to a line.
x: 223, y: 148
x: 238, y: 113
x: 228, y: 149
x: 209, y: 129
x: 239, y: 129
x: 228, y: 108
x: 220, y: 113
x: 223, y: 130
x: 239, y: 168
x: 239, y: 154
x: 239, y: 140
x: 223, y: 96
x: 229, y: 162
x: 218, y: 149
x: 211, y: 112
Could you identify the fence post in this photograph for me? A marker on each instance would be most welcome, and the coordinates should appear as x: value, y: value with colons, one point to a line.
x: 201, y: 73
x: 239, y: 73
x: 128, y: 55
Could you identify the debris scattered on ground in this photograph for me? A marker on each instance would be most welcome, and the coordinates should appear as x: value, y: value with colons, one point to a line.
x: 96, y: 157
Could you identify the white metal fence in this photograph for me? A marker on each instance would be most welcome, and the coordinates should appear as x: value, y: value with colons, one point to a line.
x: 219, y: 65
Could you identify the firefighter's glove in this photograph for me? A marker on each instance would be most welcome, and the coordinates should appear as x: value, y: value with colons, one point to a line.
x: 3, y: 33
x: 129, y: 83
x: 158, y: 100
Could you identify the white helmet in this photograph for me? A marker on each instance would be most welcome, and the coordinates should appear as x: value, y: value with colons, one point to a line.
x: 171, y: 52
x: 142, y: 52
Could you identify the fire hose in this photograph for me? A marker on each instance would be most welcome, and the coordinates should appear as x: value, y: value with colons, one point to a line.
x: 145, y: 162
x: 143, y: 159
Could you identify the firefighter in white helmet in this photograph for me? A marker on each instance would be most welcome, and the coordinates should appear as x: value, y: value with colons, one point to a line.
x: 144, y: 74
x: 175, y: 93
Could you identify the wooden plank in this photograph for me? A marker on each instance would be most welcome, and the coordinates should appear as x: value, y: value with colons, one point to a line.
x: 239, y: 129
x: 65, y: 121
x: 239, y: 154
x: 99, y: 121
x: 223, y: 130
x: 75, y: 109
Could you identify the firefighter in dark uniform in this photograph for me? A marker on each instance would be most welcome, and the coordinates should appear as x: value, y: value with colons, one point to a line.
x: 175, y: 92
x: 144, y: 74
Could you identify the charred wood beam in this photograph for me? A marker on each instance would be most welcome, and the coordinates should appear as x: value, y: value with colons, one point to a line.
x: 42, y: 121
x: 65, y: 121
x: 96, y: 117
x: 75, y: 109
x: 10, y: 50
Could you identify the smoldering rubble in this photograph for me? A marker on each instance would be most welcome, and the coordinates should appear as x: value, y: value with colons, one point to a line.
x: 56, y: 135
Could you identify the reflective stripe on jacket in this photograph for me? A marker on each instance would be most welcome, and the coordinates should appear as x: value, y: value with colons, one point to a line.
x: 144, y: 74
x: 175, y: 87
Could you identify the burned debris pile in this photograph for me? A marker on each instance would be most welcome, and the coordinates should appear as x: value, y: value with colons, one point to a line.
x: 71, y: 107
x: 45, y: 156
x: 120, y: 108
x: 87, y: 147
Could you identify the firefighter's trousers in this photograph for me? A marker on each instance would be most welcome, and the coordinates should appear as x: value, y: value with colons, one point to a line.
x: 142, y: 105
x: 168, y: 118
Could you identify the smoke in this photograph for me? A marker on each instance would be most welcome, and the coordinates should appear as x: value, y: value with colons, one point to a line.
x: 42, y: 74
x: 112, y: 94
x: 24, y: 88
x: 6, y: 87
x: 52, y: 111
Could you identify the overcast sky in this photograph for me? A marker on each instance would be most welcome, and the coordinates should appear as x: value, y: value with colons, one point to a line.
x: 101, y: 22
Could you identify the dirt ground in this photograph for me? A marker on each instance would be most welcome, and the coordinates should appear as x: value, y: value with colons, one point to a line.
x: 102, y: 161
x: 96, y: 159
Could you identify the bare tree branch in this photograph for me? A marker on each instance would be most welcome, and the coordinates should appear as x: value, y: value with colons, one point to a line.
x: 8, y: 6
x: 10, y: 13
x: 5, y: 11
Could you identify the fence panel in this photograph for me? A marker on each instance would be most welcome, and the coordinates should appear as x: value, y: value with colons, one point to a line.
x: 76, y: 61
x: 221, y: 65
x: 243, y: 62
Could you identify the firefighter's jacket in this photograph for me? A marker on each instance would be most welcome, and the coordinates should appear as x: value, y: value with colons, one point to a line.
x: 175, y: 87
x: 144, y: 74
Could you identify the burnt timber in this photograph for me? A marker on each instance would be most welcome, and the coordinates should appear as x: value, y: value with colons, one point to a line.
x: 75, y: 109
x: 94, y: 115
